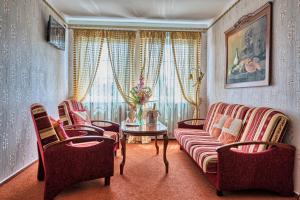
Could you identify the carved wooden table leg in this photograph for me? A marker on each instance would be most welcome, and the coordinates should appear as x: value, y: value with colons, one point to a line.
x: 157, y: 148
x: 166, y: 140
x: 123, y: 144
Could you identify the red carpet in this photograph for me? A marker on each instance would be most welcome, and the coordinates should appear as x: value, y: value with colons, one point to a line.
x: 144, y: 178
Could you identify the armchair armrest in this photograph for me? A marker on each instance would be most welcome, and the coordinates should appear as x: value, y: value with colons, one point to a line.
x: 94, y: 158
x: 82, y: 130
x: 269, y: 169
x: 184, y: 124
x: 112, y: 126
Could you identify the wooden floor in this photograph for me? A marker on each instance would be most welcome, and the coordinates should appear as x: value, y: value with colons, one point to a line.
x: 144, y: 178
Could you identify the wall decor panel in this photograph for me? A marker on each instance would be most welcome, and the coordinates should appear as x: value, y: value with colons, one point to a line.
x: 284, y: 91
x: 31, y: 70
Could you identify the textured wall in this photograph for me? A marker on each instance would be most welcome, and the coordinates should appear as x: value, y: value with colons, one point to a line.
x: 284, y: 92
x: 31, y: 71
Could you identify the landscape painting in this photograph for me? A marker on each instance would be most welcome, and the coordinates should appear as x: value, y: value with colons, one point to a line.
x: 248, y: 50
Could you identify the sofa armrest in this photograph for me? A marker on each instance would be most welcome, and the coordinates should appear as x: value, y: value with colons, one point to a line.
x: 184, y: 124
x: 269, y: 169
x: 110, y: 126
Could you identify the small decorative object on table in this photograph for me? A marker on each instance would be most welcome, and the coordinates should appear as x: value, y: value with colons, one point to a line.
x: 139, y: 95
x: 152, y: 115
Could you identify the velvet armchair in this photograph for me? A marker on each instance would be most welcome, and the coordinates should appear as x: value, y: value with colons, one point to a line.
x: 71, y: 160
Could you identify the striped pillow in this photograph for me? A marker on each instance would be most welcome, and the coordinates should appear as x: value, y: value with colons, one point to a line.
x: 218, y: 125
x: 43, y: 125
x: 230, y: 130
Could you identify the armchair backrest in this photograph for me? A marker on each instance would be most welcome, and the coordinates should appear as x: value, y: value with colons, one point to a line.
x: 45, y: 132
x: 262, y: 124
x: 65, y: 108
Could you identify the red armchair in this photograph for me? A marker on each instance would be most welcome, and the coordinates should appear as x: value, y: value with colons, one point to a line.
x: 67, y: 110
x: 75, y: 159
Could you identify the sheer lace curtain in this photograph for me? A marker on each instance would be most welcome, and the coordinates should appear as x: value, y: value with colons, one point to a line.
x: 186, y: 47
x: 167, y: 95
x: 107, y: 98
x: 87, y: 47
x: 117, y: 73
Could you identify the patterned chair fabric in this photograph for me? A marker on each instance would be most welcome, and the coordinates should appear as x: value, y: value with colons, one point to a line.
x: 67, y: 107
x: 65, y: 162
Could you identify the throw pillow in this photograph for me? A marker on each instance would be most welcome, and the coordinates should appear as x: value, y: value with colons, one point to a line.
x: 218, y: 125
x: 81, y: 117
x: 230, y: 131
x: 58, y: 127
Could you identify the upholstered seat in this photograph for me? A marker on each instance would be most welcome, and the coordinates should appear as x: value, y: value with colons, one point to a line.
x: 67, y: 113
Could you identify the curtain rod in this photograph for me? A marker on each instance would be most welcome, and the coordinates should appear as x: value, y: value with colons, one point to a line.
x: 136, y: 28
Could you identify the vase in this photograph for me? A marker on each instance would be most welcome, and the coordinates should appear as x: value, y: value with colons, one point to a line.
x: 139, y: 114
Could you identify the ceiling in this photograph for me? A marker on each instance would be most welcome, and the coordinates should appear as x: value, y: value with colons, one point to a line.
x: 198, y: 13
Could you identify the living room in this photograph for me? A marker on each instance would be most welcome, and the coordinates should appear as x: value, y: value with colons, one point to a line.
x: 111, y: 99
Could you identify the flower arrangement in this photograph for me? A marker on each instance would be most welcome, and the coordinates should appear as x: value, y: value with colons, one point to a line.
x: 139, y: 95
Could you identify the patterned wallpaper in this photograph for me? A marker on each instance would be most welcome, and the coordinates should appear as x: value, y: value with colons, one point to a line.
x: 284, y: 92
x: 31, y: 71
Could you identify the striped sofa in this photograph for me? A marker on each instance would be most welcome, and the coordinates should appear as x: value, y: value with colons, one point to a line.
x: 256, y: 159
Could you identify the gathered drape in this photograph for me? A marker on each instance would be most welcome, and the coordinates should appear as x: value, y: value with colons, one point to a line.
x: 121, y: 50
x: 186, y: 48
x: 87, y: 47
x: 151, y: 50
x: 151, y: 53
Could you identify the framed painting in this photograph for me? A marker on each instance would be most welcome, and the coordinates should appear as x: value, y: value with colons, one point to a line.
x: 248, y: 50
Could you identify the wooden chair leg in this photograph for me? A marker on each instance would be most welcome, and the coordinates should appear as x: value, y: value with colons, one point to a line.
x: 107, y: 181
x: 41, y: 171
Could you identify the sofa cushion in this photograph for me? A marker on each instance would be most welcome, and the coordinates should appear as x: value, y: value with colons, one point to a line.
x: 262, y: 124
x: 231, y: 130
x: 181, y: 133
x: 189, y: 141
x: 218, y: 125
x: 206, y: 157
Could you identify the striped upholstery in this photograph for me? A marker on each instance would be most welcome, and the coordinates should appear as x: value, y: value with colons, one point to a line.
x: 262, y: 124
x: 212, y: 112
x: 206, y: 156
x: 43, y: 125
x: 66, y: 110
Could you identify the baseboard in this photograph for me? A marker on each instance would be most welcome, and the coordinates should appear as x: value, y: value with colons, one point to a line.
x: 17, y: 172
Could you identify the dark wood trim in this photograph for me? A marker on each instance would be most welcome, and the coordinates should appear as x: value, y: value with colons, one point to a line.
x: 18, y: 172
x: 243, y: 22
x: 280, y: 145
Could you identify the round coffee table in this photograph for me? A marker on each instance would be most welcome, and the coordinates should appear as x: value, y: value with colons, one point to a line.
x: 144, y: 130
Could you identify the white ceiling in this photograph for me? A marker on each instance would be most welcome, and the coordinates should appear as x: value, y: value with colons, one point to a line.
x: 199, y: 13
